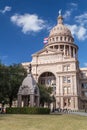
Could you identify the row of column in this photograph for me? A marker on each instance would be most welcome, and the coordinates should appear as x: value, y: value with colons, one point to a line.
x: 68, y: 50
x: 34, y: 101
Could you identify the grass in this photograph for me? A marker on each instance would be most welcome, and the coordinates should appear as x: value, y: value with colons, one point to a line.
x: 43, y: 122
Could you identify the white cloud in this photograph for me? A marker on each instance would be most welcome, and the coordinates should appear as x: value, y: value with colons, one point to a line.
x: 74, y: 4
x: 85, y: 64
x: 6, y: 9
x: 67, y: 14
x: 79, y: 31
x: 29, y: 22
x: 72, y: 7
x: 82, y: 19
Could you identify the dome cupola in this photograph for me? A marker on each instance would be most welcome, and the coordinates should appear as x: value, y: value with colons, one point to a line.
x: 61, y: 40
x: 60, y: 29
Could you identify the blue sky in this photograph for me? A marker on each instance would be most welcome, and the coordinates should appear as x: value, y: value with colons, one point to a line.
x: 25, y: 23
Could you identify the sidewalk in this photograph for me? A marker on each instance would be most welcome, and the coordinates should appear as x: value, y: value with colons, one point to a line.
x: 79, y: 113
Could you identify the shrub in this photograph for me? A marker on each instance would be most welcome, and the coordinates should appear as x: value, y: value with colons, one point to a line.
x: 27, y: 110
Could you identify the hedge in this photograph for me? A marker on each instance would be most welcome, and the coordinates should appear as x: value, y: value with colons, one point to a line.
x: 27, y: 110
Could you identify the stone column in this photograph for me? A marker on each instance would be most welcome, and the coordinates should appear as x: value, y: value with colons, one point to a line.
x: 72, y: 103
x: 58, y: 86
x: 73, y: 52
x: 75, y: 85
x: 76, y: 93
x: 57, y: 92
x: 61, y: 88
x: 61, y: 92
x: 70, y: 51
x: 59, y: 48
x: 72, y: 86
x: 19, y: 100
x: 76, y: 103
x: 62, y: 105
x: 31, y: 100
x: 64, y: 50
x: 77, y: 53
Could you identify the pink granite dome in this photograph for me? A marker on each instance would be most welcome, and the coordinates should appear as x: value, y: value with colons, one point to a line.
x: 60, y: 29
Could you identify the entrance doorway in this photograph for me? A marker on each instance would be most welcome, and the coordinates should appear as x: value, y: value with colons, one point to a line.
x: 48, y: 79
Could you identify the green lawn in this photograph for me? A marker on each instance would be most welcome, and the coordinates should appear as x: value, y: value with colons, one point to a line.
x: 43, y: 122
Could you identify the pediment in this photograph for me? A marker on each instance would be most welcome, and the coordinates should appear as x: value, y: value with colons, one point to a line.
x: 45, y: 51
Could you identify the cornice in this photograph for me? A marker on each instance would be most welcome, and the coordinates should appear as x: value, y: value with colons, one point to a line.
x: 55, y: 63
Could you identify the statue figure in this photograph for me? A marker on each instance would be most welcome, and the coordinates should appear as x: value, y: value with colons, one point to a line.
x: 60, y: 12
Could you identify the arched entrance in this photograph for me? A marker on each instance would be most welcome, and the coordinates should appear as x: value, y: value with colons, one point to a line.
x: 49, y: 80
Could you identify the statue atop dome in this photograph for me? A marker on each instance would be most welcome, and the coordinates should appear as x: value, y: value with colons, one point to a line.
x: 60, y: 12
x: 60, y: 18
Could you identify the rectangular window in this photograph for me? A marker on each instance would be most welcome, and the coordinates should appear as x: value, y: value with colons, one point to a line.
x: 66, y: 79
x: 66, y: 90
x: 83, y: 75
x: 66, y: 67
x: 85, y: 94
x: 84, y: 85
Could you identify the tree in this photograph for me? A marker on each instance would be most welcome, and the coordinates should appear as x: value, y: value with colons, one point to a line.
x: 12, y: 77
x: 45, y: 95
x: 3, y: 69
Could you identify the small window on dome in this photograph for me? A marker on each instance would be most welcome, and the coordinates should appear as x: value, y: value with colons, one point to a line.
x: 64, y: 38
x: 51, y: 47
x: 71, y: 40
x: 53, y: 39
x: 60, y: 38
x: 68, y: 39
x: 56, y: 46
x: 56, y: 38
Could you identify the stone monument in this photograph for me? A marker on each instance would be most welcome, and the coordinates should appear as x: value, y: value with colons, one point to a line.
x: 28, y: 94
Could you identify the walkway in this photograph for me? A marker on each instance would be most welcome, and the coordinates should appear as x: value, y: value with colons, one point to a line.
x: 79, y: 113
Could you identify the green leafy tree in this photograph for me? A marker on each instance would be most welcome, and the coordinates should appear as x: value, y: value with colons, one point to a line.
x: 11, y: 80
x: 45, y: 95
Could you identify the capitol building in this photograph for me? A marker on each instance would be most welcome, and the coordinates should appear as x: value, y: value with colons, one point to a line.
x: 57, y: 65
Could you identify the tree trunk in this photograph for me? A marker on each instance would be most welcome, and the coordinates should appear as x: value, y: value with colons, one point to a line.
x: 10, y: 101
